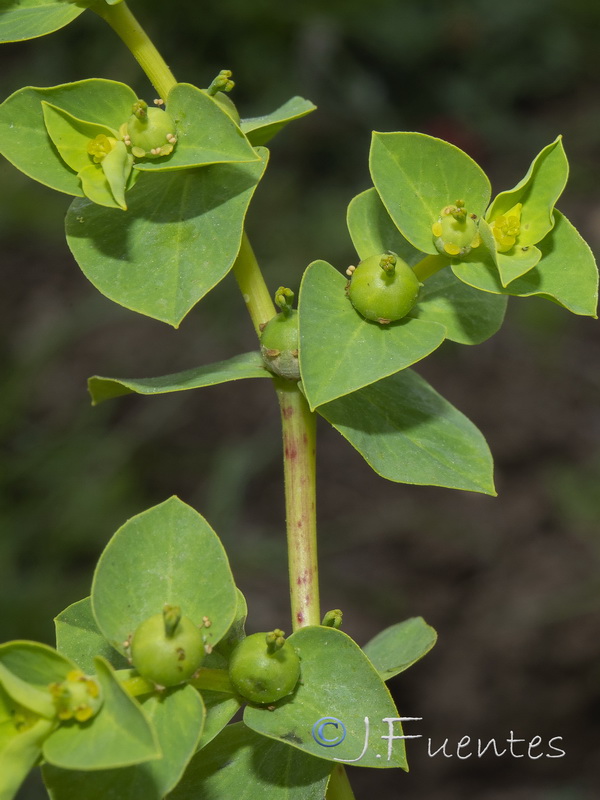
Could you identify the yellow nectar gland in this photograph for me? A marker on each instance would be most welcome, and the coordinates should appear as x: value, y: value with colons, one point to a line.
x: 77, y: 697
x: 456, y: 232
x: 100, y: 147
x: 506, y: 228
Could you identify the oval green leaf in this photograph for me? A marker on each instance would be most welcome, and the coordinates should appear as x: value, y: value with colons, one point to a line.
x: 220, y: 708
x: 28, y: 19
x: 118, y: 736
x: 205, y: 133
x: 177, y: 717
x: 355, y: 352
x: 372, y: 230
x: 180, y: 237
x: 261, y: 130
x: 400, y: 646
x: 241, y: 764
x: 409, y: 433
x: 245, y: 365
x: 152, y: 560
x: 337, y: 682
x: 24, y: 140
x: 79, y: 638
x: 567, y: 273
x: 417, y: 175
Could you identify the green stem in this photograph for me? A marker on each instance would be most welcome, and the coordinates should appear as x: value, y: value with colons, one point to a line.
x: 429, y: 266
x: 253, y: 287
x: 339, y: 786
x: 216, y: 680
x: 299, y: 449
x: 125, y: 25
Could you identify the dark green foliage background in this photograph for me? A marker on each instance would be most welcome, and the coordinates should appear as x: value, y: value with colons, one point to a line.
x: 510, y: 583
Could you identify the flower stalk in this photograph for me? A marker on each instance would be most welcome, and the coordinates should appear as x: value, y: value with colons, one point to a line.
x: 126, y: 26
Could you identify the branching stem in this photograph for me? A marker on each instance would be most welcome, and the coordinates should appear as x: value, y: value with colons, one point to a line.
x: 253, y: 287
x: 429, y: 266
x: 122, y: 21
x: 299, y: 449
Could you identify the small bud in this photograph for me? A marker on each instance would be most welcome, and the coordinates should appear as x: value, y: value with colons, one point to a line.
x: 284, y: 298
x: 222, y: 83
x: 275, y: 640
x: 333, y: 619
x: 140, y: 109
x: 100, y: 147
x: 171, y: 617
x: 388, y: 264
x: 77, y: 697
x: 506, y: 228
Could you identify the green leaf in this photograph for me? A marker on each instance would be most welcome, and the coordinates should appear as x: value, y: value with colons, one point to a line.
x: 479, y: 271
x: 469, y: 316
x: 567, y: 273
x: 355, y: 352
x: 27, y: 19
x: 24, y: 140
x: 177, y: 718
x: 116, y: 167
x: 119, y: 734
x: 372, y: 230
x: 71, y: 136
x: 512, y: 265
x: 245, y: 365
x: 178, y: 239
x: 408, y: 433
x: 236, y: 631
x: 21, y: 741
x: 79, y: 638
x: 152, y: 560
x: 400, y: 646
x: 96, y: 187
x: 538, y: 191
x: 337, y: 681
x: 417, y: 175
x: 261, y: 130
x: 241, y: 764
x: 26, y: 671
x: 220, y: 708
x: 205, y: 133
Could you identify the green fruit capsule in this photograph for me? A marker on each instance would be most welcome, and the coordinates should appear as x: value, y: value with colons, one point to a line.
x: 264, y: 667
x: 383, y: 288
x: 456, y: 232
x: 167, y: 648
x: 279, y: 338
x: 150, y: 132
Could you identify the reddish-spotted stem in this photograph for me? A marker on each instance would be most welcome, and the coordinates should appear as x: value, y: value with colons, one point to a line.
x: 299, y: 449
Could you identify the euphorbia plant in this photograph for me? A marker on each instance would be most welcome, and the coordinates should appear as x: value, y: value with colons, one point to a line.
x: 136, y: 700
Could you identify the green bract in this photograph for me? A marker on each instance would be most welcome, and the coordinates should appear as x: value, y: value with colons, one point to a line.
x: 264, y: 668
x: 167, y: 651
x: 383, y: 288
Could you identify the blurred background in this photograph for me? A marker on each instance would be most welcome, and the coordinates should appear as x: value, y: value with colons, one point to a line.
x: 512, y: 584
